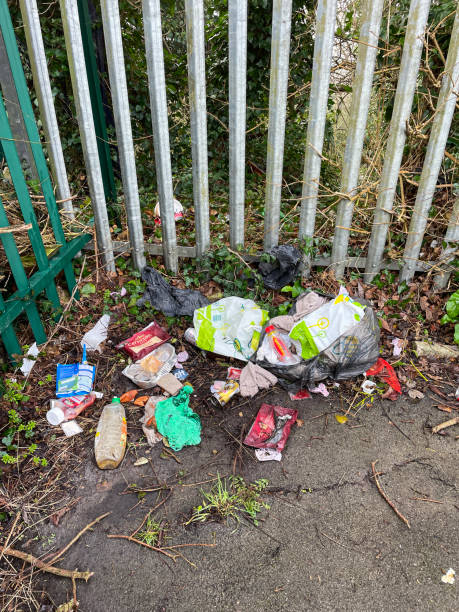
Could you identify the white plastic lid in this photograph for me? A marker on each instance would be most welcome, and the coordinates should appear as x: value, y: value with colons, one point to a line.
x: 55, y: 416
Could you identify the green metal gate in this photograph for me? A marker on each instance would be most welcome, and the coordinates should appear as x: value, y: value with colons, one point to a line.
x: 28, y: 289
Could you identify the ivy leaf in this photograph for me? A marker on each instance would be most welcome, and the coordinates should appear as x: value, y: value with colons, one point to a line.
x: 88, y: 289
x: 452, y: 306
x: 7, y: 440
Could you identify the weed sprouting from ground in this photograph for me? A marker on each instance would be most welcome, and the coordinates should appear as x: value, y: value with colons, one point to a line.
x: 231, y: 500
x: 152, y: 532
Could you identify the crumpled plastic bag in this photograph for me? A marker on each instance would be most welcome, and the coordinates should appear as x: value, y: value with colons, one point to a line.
x: 350, y: 355
x: 149, y: 421
x: 320, y: 328
x: 271, y: 427
x: 28, y: 364
x: 177, y: 422
x: 284, y: 270
x: 171, y: 301
x: 231, y: 327
x: 96, y: 335
x: 386, y: 372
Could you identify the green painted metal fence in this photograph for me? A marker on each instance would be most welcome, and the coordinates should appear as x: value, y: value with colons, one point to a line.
x: 42, y: 281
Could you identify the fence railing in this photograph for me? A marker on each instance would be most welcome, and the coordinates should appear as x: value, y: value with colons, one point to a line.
x: 371, y: 14
x: 28, y: 288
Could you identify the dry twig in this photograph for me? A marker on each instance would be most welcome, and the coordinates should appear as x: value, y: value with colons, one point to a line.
x: 45, y: 566
x: 131, y: 539
x: 384, y: 496
x: 445, y: 424
x: 77, y: 537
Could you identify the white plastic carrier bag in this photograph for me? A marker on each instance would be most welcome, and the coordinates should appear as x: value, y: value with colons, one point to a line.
x: 231, y: 327
x: 321, y: 327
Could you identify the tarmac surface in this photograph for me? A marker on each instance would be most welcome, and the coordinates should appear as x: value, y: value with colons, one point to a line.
x: 328, y: 542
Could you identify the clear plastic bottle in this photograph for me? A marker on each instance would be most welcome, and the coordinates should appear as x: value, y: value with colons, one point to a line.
x: 111, y: 434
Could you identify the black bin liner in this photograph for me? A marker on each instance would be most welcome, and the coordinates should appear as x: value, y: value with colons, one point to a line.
x: 283, y: 270
x: 171, y: 301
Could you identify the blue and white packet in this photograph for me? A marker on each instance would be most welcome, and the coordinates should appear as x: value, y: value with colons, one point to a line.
x: 180, y: 374
x: 75, y: 378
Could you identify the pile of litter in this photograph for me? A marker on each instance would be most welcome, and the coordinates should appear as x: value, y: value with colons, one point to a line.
x: 322, y: 337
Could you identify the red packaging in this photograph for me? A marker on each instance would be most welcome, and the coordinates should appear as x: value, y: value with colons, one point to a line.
x: 143, y: 342
x: 234, y: 373
x: 386, y: 372
x: 271, y: 428
x: 303, y: 394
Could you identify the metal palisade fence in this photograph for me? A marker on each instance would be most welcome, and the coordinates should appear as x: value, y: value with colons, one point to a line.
x: 326, y: 13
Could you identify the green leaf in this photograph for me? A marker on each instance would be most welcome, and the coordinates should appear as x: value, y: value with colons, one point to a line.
x: 452, y: 306
x: 88, y: 289
x: 6, y: 440
x: 456, y: 333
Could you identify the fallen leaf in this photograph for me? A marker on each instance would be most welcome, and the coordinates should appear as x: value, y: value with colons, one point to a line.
x: 438, y: 392
x: 385, y: 325
x: 300, y: 422
x: 141, y: 401
x: 424, y: 303
x: 415, y: 394
x: 390, y: 394
x: 128, y: 396
x: 341, y: 418
x: 56, y: 517
x: 141, y: 461
x: 444, y: 408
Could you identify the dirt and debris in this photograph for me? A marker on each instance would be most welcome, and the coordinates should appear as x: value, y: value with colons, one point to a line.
x: 322, y: 487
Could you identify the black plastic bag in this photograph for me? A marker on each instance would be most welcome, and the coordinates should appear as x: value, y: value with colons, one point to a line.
x: 284, y: 270
x: 169, y: 300
x: 350, y: 355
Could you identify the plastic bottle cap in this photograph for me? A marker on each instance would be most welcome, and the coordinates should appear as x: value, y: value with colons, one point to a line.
x: 55, y: 416
x: 116, y: 400
x: 269, y: 329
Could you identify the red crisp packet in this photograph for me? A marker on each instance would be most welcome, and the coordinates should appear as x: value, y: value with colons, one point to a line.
x: 234, y: 373
x: 303, y: 394
x: 143, y: 342
x: 271, y: 428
